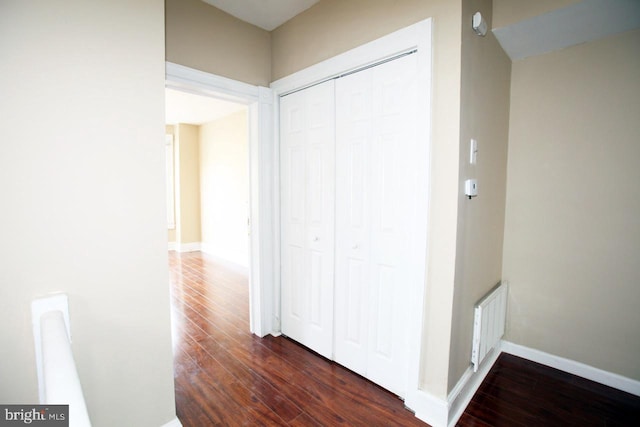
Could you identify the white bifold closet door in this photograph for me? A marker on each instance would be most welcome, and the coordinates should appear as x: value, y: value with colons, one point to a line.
x: 348, y: 215
x: 375, y: 216
x: 307, y: 170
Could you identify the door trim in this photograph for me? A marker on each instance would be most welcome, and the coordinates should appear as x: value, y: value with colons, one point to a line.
x: 415, y: 37
x: 261, y: 172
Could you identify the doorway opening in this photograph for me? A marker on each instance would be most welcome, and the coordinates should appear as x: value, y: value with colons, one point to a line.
x: 208, y: 176
x: 257, y: 102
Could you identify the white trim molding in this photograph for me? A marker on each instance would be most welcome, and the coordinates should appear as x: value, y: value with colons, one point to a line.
x: 610, y: 379
x: 466, y: 388
x: 172, y: 246
x: 428, y: 408
x: 439, y: 412
x: 40, y: 306
x: 188, y: 247
x: 418, y: 38
x: 173, y: 423
x: 263, y: 240
x: 202, y: 83
x: 209, y: 249
x: 262, y: 176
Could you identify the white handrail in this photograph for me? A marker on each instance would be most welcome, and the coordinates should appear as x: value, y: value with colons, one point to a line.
x: 58, y: 378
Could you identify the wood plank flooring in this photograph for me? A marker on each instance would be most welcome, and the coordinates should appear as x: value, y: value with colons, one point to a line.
x: 224, y: 376
x: 519, y: 392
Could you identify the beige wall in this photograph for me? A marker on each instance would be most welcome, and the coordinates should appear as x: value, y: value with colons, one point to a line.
x: 205, y: 38
x: 171, y: 232
x: 83, y: 194
x: 572, y: 236
x: 486, y: 72
x: 224, y: 183
x: 507, y: 12
x: 334, y: 26
x: 187, y: 183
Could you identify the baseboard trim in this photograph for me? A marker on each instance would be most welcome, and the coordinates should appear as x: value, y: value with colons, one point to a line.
x: 188, y: 247
x: 172, y: 246
x: 173, y: 423
x: 428, y: 408
x: 466, y: 388
x: 208, y: 249
x: 440, y: 413
x: 445, y: 413
x: 576, y: 368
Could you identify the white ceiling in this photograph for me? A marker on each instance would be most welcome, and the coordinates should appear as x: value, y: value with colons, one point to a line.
x: 581, y: 22
x: 266, y: 14
x: 183, y: 107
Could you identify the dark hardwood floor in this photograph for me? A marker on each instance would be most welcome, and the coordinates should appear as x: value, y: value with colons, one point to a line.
x: 224, y: 376
x: 519, y: 392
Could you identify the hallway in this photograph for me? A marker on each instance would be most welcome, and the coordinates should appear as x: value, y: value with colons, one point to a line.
x: 226, y: 376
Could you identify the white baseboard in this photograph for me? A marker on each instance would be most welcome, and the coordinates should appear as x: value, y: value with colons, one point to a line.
x: 173, y: 423
x: 188, y: 247
x: 440, y: 413
x: 576, y: 368
x: 232, y: 265
x: 428, y: 408
x: 466, y: 388
x: 446, y: 413
x: 172, y: 246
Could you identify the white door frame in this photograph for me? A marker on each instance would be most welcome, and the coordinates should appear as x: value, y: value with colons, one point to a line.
x: 261, y: 176
x: 415, y: 37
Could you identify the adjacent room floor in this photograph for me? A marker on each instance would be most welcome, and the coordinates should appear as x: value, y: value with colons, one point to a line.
x: 226, y: 376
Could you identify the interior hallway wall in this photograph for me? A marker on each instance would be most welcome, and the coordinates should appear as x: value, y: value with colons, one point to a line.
x: 486, y: 75
x: 171, y: 232
x: 224, y: 183
x: 187, y: 184
x: 203, y: 37
x: 83, y: 193
x: 572, y: 235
